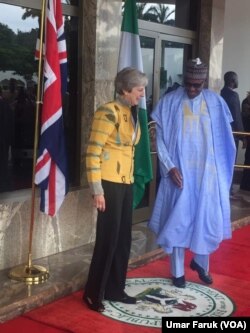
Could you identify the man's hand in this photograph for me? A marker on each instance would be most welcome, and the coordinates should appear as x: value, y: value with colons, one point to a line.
x: 176, y: 177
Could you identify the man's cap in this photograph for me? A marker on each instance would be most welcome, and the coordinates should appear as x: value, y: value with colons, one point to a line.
x: 196, y: 70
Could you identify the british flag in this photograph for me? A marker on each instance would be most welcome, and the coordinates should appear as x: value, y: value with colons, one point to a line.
x: 51, y: 165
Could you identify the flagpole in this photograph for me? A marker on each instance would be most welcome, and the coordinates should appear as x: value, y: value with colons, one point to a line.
x: 34, y: 274
x: 130, y: 40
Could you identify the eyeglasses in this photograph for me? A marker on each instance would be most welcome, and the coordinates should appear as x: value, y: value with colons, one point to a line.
x: 194, y: 85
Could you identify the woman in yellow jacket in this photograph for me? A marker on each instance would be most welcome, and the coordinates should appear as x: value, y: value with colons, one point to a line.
x: 110, y: 164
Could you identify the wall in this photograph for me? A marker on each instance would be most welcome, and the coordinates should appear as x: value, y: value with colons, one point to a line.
x: 216, y: 45
x: 107, y: 48
x: 72, y: 227
x: 236, y: 52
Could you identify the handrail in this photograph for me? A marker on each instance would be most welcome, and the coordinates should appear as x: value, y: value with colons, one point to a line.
x: 241, y: 133
x: 151, y: 126
x: 241, y: 166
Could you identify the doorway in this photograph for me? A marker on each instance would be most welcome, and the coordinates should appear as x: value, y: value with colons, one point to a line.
x: 164, y: 51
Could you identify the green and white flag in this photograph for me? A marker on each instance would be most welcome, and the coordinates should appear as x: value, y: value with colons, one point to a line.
x: 130, y: 56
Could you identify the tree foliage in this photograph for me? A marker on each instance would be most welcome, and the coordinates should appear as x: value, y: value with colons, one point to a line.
x: 17, y: 51
x: 158, y: 13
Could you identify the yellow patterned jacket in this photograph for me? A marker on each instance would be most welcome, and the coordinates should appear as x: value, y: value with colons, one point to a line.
x: 110, y: 152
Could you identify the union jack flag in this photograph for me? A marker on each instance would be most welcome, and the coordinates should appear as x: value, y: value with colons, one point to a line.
x: 51, y: 165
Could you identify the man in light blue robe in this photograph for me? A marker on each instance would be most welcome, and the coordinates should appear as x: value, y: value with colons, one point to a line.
x: 196, y: 152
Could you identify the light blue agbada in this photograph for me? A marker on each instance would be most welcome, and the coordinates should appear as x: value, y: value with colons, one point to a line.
x: 196, y: 137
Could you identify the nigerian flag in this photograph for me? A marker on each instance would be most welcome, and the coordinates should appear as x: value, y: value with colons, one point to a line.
x: 130, y: 56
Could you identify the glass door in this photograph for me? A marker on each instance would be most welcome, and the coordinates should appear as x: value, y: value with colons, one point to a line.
x: 173, y: 56
x: 163, y: 56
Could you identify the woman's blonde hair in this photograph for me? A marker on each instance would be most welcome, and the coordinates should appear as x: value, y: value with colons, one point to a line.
x: 128, y: 78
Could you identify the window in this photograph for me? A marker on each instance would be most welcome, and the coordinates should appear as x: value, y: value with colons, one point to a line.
x: 70, y: 2
x: 176, y: 13
x: 18, y: 85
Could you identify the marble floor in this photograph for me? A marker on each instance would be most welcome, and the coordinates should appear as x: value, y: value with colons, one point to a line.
x: 68, y: 270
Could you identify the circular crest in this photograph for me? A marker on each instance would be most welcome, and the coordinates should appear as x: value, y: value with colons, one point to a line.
x: 158, y: 298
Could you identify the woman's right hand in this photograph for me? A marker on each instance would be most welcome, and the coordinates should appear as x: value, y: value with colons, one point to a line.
x: 99, y: 202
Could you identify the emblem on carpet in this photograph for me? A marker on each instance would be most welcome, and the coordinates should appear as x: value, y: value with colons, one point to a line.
x: 159, y: 298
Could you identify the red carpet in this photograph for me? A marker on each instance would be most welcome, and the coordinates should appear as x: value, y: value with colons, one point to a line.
x: 229, y: 267
x: 25, y: 325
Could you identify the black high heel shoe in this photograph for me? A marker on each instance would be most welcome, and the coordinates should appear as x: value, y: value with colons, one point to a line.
x: 99, y: 307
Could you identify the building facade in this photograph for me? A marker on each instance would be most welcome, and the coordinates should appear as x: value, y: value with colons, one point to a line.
x: 214, y: 30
